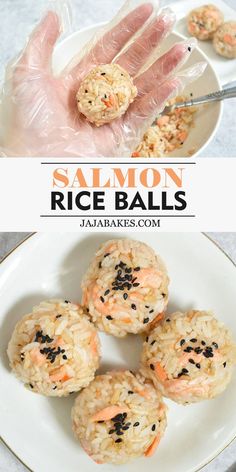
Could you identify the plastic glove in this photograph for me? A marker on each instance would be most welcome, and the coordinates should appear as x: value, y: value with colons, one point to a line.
x: 39, y: 111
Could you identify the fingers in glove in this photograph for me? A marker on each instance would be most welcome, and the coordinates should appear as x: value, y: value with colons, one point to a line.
x: 135, y: 57
x: 38, y: 52
x: 143, y: 112
x: 114, y: 40
x: 165, y: 66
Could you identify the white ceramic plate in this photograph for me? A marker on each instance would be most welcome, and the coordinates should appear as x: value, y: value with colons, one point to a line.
x: 38, y: 429
x: 225, y: 68
x: 207, y: 119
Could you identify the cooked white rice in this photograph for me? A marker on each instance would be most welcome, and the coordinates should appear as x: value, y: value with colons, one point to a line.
x: 106, y: 94
x: 55, y: 349
x: 169, y: 133
x: 225, y: 40
x: 118, y: 418
x: 204, y: 21
x: 125, y: 287
x: 189, y: 356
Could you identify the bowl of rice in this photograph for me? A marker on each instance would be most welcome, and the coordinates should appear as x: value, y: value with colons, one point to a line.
x: 183, y: 134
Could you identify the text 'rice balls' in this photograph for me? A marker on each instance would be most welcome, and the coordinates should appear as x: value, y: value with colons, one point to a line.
x: 225, y: 40
x: 55, y: 349
x: 125, y: 287
x: 189, y: 357
x: 106, y: 94
x: 204, y: 21
x: 118, y: 418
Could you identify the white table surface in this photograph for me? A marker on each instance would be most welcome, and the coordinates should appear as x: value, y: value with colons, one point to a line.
x: 19, y: 16
x: 226, y: 462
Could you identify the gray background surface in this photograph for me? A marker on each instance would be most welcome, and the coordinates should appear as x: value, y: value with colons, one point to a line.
x: 226, y: 462
x: 19, y: 16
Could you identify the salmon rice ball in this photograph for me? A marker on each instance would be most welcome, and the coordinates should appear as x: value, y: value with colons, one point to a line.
x: 55, y: 349
x: 204, y: 21
x: 125, y: 287
x: 106, y: 94
x: 225, y: 40
x: 189, y: 357
x: 118, y: 418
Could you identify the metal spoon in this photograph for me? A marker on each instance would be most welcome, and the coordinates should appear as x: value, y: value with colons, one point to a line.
x: 211, y: 97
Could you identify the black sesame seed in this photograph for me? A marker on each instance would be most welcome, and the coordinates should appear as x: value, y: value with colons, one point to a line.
x: 102, y: 299
x: 117, y: 418
x: 215, y: 345
x: 146, y: 320
x: 185, y: 371
x: 152, y: 311
x: 208, y: 354
x: 147, y: 338
x: 193, y: 340
x: 198, y: 366
x: 153, y: 342
x: 198, y: 350
x: 58, y: 316
x: 191, y: 361
x: 125, y: 428
x: 86, y: 91
x: 224, y: 364
x: 128, y: 424
x: 54, y: 388
x: 62, y: 351
x: 107, y: 254
x: 146, y: 306
x: 119, y: 440
x: 101, y: 421
x: 128, y: 270
x: 152, y: 367
x: 117, y: 425
x: 133, y: 306
x: 189, y: 49
x: 103, y: 73
x: 203, y: 343
x: 119, y: 433
x: 90, y: 102
x: 153, y: 427
x: 31, y: 386
x: 106, y: 292
x: 109, y: 318
x: 130, y: 392
x: 112, y: 431
x: 67, y: 301
x: 168, y: 320
x: 182, y: 342
x: 191, y: 94
x: 100, y: 265
x: 188, y: 349
x: 64, y: 357
x: 136, y: 284
x: 136, y: 424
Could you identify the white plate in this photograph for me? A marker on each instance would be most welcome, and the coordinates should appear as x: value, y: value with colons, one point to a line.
x: 225, y: 68
x: 38, y: 429
x: 207, y: 118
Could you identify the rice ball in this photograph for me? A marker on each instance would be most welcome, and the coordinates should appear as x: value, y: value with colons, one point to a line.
x: 225, y: 40
x: 55, y: 349
x: 204, y: 21
x: 189, y: 357
x: 125, y: 288
x: 106, y: 94
x: 118, y: 418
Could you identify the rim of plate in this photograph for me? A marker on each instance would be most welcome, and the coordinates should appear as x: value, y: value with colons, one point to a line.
x: 7, y: 445
x: 181, y: 36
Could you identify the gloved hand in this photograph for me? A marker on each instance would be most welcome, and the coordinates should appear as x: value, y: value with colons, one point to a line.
x: 39, y: 111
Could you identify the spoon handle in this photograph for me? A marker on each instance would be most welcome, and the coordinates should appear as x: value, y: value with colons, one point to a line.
x: 211, y: 97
